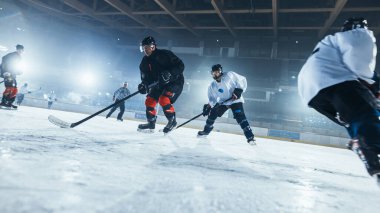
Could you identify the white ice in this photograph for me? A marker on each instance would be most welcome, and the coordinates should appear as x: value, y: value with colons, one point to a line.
x: 107, y: 166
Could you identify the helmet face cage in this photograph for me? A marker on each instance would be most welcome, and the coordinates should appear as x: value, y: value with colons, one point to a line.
x: 147, y: 41
x: 353, y: 23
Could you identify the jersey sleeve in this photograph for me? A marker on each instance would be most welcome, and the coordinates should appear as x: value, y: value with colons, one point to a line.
x: 239, y: 80
x: 359, y: 51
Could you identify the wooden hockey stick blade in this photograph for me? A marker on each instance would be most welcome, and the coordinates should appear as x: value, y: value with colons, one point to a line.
x: 56, y: 121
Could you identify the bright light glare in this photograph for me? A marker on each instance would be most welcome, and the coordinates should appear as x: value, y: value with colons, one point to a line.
x: 87, y: 79
x: 20, y: 66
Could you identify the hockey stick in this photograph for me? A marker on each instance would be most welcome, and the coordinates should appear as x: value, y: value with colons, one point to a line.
x: 197, y: 116
x: 64, y: 124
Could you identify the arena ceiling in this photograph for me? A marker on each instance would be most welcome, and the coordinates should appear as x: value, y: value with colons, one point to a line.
x: 200, y: 19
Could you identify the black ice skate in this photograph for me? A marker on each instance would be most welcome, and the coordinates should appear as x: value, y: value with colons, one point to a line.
x: 251, y: 141
x: 171, y: 124
x: 8, y: 106
x: 147, y: 128
x: 369, y: 158
x: 203, y: 134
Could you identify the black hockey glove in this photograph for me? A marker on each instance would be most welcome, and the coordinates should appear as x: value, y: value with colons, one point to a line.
x: 375, y: 87
x: 206, y: 110
x: 165, y: 78
x: 237, y: 93
x: 142, y: 88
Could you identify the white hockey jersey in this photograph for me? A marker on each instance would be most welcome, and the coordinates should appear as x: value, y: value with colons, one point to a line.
x: 345, y: 56
x: 23, y: 90
x: 223, y: 90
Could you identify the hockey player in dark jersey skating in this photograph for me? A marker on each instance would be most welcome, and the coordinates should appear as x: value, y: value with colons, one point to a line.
x: 164, y: 67
x: 9, y: 69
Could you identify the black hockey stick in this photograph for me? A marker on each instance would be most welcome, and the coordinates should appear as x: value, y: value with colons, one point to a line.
x: 197, y: 116
x: 64, y: 124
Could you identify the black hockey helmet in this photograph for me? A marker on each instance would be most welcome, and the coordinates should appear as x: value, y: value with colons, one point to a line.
x: 147, y: 41
x: 353, y: 23
x: 19, y: 47
x: 217, y: 67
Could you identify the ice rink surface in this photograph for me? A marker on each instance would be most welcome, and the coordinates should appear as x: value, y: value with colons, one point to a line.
x: 107, y: 166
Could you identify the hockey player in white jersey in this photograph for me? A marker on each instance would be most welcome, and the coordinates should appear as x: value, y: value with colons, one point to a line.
x: 226, y: 86
x: 21, y: 93
x: 338, y: 80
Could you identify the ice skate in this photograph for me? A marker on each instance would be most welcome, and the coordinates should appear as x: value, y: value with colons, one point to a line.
x: 147, y: 128
x: 207, y: 129
x: 202, y: 134
x: 171, y: 124
x: 251, y: 141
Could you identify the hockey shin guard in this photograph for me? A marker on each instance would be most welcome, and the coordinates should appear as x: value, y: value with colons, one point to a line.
x: 166, y: 105
x: 151, y: 112
x: 242, y: 121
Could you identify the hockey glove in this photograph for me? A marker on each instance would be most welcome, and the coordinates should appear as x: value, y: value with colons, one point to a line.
x: 374, y: 88
x: 237, y: 93
x: 165, y: 78
x: 142, y: 88
x: 206, y: 110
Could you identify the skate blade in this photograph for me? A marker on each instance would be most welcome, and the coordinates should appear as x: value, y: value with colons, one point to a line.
x: 146, y: 130
x: 7, y: 108
x: 252, y: 143
x: 201, y: 136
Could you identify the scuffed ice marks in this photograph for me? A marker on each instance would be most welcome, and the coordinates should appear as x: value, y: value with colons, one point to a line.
x: 190, y: 159
x: 47, y: 141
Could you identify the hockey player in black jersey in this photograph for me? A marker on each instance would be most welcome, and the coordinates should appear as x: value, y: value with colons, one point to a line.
x: 163, y: 66
x: 9, y: 69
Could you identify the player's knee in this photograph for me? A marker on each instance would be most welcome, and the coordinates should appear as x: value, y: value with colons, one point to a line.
x: 239, y: 115
x: 164, y: 100
x: 150, y: 102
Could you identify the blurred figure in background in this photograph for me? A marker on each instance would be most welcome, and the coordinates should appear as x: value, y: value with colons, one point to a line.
x: 10, y: 67
x: 338, y: 81
x: 51, y: 98
x: 119, y: 94
x: 21, y: 93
